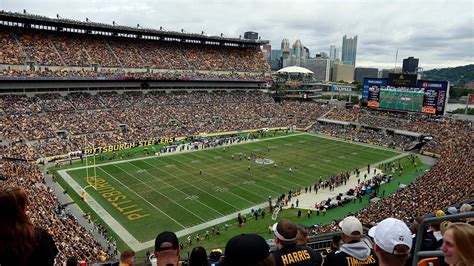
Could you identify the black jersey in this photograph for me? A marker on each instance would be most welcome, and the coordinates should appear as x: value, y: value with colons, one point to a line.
x: 296, y: 256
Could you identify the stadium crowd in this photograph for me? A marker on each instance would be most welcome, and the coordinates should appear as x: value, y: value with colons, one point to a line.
x: 441, y: 186
x: 73, y: 55
x: 50, y: 124
x: 365, y: 135
x: 53, y: 124
x: 70, y: 237
x: 188, y: 113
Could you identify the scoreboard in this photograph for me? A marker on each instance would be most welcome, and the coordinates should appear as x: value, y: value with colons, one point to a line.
x: 426, y: 96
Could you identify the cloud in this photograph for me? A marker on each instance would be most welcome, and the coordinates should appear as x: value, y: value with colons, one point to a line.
x: 439, y: 32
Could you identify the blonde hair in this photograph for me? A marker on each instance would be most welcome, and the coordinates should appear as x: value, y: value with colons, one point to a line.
x: 463, y: 235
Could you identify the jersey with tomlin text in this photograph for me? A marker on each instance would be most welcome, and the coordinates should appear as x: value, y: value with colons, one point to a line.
x: 296, y: 256
x: 352, y: 254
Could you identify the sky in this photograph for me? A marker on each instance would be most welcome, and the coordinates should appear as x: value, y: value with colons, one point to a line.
x: 439, y: 33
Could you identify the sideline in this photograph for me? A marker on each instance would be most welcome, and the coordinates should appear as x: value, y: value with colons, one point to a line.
x: 180, y: 152
x: 136, y: 245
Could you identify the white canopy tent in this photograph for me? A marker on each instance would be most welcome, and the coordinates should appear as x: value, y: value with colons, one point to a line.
x: 295, y: 70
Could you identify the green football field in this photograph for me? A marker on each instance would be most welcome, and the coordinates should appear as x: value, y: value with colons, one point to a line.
x: 401, y: 100
x: 178, y: 192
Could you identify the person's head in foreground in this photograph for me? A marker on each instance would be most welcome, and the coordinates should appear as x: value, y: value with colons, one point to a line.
x: 21, y: 243
x: 351, y: 229
x: 127, y: 257
x: 167, y: 249
x: 458, y: 244
x: 198, y: 257
x: 392, y: 242
x: 302, y: 236
x: 285, y: 233
x: 249, y: 250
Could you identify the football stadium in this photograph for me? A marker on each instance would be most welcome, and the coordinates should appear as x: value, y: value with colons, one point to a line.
x: 115, y: 137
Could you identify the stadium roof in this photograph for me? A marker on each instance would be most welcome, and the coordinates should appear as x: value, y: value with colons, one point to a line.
x: 76, y: 26
x: 329, y: 121
x: 407, y: 133
x: 295, y: 69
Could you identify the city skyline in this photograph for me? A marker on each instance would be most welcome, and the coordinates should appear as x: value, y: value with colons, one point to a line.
x: 439, y: 33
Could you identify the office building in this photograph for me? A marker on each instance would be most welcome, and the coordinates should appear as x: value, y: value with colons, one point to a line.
x: 410, y: 65
x: 349, y: 50
x: 267, y: 50
x: 342, y: 72
x: 251, y: 35
x: 384, y: 72
x: 275, y: 60
x: 365, y: 72
x: 296, y: 56
x: 285, y: 53
x: 321, y: 68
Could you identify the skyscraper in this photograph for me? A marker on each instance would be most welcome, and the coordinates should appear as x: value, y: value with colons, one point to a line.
x: 250, y: 35
x: 349, y: 50
x: 365, y: 72
x: 285, y: 53
x: 333, y: 53
x: 410, y: 65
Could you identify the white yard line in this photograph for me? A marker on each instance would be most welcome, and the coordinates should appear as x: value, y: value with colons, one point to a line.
x: 175, y: 188
x: 210, y: 223
x: 202, y: 190
x: 131, y: 241
x: 103, y: 214
x: 123, y: 170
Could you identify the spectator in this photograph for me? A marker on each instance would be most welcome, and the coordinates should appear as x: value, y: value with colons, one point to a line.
x: 22, y: 243
x: 72, y: 261
x: 392, y: 242
x: 458, y: 244
x: 249, y: 250
x: 288, y: 252
x: 198, y: 257
x: 335, y: 244
x: 302, y: 236
x: 167, y: 249
x: 353, y: 251
x: 127, y: 258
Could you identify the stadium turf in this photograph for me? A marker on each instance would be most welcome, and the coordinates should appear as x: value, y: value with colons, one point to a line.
x: 159, y: 193
x: 401, y: 100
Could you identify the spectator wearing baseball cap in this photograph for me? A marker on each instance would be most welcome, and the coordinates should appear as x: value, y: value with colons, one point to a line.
x: 248, y: 249
x: 392, y: 242
x: 288, y: 252
x: 353, y: 251
x: 452, y: 210
x: 167, y: 249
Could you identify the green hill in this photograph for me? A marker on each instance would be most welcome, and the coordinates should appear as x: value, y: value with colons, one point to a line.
x: 457, y: 76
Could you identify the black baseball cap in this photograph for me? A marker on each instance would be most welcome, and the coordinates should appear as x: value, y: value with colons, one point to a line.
x: 246, y: 249
x: 166, y: 237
